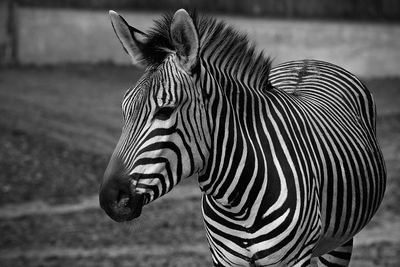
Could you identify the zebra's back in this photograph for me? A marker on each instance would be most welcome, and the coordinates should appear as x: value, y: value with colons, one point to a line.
x: 321, y: 80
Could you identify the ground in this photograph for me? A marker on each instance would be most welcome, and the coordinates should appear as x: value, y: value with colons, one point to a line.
x: 58, y: 126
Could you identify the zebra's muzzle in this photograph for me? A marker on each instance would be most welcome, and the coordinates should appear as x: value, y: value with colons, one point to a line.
x: 121, y: 206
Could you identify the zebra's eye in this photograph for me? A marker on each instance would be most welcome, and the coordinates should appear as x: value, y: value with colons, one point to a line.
x: 163, y: 113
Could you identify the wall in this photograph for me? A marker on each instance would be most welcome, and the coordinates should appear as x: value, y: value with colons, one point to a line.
x: 351, y: 9
x: 51, y: 36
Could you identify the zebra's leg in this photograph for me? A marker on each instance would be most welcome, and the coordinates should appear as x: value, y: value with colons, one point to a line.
x: 338, y: 257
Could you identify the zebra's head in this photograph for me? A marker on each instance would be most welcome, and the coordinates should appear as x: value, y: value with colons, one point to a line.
x: 165, y: 133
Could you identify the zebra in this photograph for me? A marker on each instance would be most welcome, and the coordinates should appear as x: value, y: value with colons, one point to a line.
x: 286, y: 157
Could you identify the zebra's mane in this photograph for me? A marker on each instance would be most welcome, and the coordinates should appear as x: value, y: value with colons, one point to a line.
x: 215, y: 37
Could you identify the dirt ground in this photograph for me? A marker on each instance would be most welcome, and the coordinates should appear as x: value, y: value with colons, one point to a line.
x: 58, y: 127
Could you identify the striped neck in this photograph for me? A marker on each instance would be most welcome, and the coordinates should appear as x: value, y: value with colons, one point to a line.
x: 231, y: 101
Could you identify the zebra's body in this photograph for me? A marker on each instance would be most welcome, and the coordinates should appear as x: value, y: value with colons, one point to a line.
x: 287, y: 157
x: 329, y: 197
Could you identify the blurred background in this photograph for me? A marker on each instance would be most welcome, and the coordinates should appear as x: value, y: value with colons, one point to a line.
x: 63, y: 74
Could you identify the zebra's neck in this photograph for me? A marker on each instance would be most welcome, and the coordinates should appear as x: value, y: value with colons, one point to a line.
x: 233, y: 100
x: 235, y: 77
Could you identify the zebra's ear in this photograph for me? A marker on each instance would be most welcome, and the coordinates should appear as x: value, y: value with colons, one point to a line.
x: 185, y: 39
x: 130, y: 37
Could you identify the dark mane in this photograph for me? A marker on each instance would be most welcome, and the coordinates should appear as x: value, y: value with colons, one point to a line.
x: 215, y: 37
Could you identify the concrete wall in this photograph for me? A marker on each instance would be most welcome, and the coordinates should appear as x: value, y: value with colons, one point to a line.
x: 349, y: 9
x: 51, y: 36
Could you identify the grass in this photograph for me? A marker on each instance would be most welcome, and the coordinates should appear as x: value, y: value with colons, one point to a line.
x: 57, y: 129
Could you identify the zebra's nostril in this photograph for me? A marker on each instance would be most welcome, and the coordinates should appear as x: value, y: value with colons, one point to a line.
x: 123, y: 199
